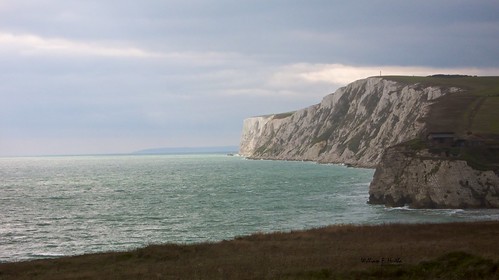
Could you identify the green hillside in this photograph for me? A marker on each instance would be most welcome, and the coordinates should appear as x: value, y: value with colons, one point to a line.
x: 475, y: 109
x: 472, y: 114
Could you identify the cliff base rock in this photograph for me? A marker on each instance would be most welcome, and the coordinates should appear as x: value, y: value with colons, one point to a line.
x: 421, y: 181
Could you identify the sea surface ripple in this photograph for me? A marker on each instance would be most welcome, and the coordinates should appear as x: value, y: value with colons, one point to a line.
x: 58, y: 206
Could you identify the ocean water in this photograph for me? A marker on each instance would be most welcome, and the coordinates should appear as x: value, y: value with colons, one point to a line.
x: 58, y: 206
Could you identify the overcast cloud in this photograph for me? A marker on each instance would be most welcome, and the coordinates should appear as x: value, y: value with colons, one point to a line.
x: 118, y: 76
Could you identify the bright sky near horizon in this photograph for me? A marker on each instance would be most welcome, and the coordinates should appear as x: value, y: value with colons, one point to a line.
x: 114, y: 76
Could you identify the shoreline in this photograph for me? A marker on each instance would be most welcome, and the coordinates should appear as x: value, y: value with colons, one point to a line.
x: 334, y: 250
x: 350, y: 165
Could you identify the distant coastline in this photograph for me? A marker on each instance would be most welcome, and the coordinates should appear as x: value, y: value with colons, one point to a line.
x: 188, y: 150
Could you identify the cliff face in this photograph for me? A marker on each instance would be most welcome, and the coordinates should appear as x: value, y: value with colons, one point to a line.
x: 379, y: 122
x: 354, y: 125
x: 421, y: 181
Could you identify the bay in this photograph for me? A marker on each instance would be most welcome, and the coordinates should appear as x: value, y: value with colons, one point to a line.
x: 58, y: 206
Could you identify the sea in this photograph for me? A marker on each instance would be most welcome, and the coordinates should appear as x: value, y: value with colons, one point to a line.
x: 71, y: 205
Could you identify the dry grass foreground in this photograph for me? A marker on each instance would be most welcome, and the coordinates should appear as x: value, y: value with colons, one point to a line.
x: 421, y: 251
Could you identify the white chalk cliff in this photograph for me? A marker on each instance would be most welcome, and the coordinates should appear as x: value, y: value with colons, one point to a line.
x: 353, y: 125
x: 424, y: 181
x: 361, y: 125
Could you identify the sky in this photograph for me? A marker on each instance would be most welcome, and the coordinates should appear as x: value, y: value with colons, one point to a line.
x: 117, y: 76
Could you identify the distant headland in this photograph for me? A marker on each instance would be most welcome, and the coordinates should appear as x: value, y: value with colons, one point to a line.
x: 188, y: 150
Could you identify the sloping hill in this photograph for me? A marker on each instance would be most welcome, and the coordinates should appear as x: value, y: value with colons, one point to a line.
x: 475, y: 108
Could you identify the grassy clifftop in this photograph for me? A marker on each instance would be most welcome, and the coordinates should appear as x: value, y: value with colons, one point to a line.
x: 471, y: 113
x: 474, y: 109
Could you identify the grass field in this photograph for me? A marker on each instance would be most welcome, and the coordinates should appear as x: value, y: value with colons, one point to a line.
x: 423, y: 251
x: 486, y: 119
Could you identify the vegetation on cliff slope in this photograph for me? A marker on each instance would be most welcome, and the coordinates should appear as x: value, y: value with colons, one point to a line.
x: 476, y: 109
x: 472, y: 113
